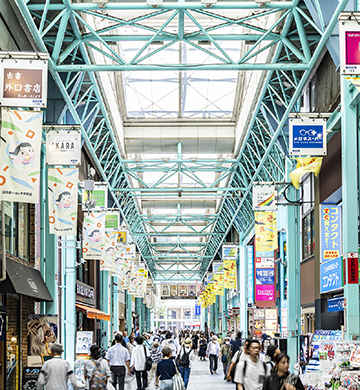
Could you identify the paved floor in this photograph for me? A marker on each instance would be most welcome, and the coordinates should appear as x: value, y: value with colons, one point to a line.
x: 200, y: 379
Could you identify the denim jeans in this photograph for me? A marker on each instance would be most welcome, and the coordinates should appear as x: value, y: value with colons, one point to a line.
x: 213, y: 362
x: 166, y: 384
x: 185, y: 374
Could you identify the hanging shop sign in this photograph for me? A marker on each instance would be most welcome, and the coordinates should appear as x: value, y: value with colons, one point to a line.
x: 307, y: 137
x: 165, y: 291
x: 265, y: 231
x: 84, y: 293
x: 183, y: 291
x: 197, y: 310
x: 99, y: 195
x: 236, y: 311
x: 93, y: 236
x: 264, y: 262
x: 63, y: 200
x: 122, y: 237
x: 353, y: 268
x: 265, y: 276
x: 174, y: 291
x: 229, y: 252
x: 250, y: 258
x: 349, y: 34
x: 330, y: 225
x: 112, y: 221
x: 264, y: 198
x: 192, y: 291
x: 265, y: 292
x: 24, y: 81
x: 335, y: 304
x: 20, y: 151
x: 63, y: 147
x: 331, y: 275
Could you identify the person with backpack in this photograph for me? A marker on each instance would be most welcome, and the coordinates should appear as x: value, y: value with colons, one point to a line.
x: 250, y: 373
x: 156, y: 356
x: 173, y: 344
x: 225, y: 355
x: 138, y: 362
x: 236, y: 344
x: 184, y: 359
x: 239, y: 356
x: 96, y: 370
x: 118, y: 357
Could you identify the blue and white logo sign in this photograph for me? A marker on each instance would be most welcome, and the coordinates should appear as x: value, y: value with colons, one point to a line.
x: 331, y: 275
x: 336, y: 304
x: 307, y: 137
x: 265, y: 276
x: 250, y: 257
x: 197, y: 310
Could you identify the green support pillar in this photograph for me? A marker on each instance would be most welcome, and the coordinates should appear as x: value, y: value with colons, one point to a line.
x: 224, y: 308
x: 349, y: 144
x: 129, y: 318
x: 149, y: 323
x: 143, y: 316
x: 212, y: 318
x: 216, y: 310
x: 293, y: 273
x: 105, y: 306
x: 243, y: 288
x: 138, y: 312
x: 115, y: 305
x: 51, y: 269
x: 68, y: 318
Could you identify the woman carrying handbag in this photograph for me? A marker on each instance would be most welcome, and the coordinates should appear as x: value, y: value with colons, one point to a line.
x: 280, y: 378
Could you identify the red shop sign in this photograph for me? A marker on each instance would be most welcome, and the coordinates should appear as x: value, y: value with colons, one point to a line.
x: 353, y: 268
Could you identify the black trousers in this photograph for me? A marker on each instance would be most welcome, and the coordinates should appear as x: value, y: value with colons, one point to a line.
x: 213, y: 362
x: 118, y: 376
x: 141, y: 379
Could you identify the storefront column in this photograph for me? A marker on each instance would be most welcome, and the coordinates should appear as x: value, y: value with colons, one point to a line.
x: 349, y: 144
x: 115, y: 305
x: 138, y: 312
x: 212, y: 318
x: 216, y: 314
x: 243, y: 288
x: 51, y: 271
x: 128, y: 310
x: 293, y: 237
x: 105, y: 306
x: 143, y: 316
x: 203, y: 318
x: 283, y: 301
x: 68, y: 303
x: 224, y: 309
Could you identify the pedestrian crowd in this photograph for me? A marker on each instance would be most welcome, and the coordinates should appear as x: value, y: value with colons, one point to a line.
x: 168, y: 358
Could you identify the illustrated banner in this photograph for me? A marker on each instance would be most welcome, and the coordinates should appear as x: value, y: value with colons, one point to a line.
x: 63, y: 200
x: 107, y: 263
x: 20, y: 148
x: 94, y: 236
x: 134, y: 280
x: 229, y: 273
x: 126, y: 273
x: 265, y: 231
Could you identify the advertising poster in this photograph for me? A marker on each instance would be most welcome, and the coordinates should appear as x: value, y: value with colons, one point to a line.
x: 265, y: 292
x: 264, y: 262
x: 122, y: 237
x: 229, y: 273
x: 219, y: 284
x: 330, y: 225
x: 264, y: 198
x: 63, y: 200
x: 63, y: 147
x: 94, y: 236
x: 134, y: 280
x: 107, y: 262
x: 20, y: 147
x: 84, y: 340
x: 183, y: 291
x: 99, y: 195
x: 42, y: 332
x: 250, y: 258
x: 126, y: 273
x: 229, y: 252
x: 174, y: 291
x: 112, y: 221
x: 265, y: 276
x: 265, y: 231
x: 304, y: 349
x: 192, y: 290
x: 165, y: 291
x: 117, y: 264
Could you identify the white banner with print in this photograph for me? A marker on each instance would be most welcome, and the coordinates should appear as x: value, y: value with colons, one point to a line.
x: 107, y: 262
x: 20, y: 155
x: 63, y: 200
x: 94, y: 236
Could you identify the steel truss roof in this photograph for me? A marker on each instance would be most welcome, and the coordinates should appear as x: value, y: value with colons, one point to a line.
x: 59, y: 27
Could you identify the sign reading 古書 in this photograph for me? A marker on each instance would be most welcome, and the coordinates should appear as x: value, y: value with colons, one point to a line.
x: 307, y: 137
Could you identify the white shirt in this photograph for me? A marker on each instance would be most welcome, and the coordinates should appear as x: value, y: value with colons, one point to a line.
x: 117, y: 355
x: 254, y: 375
x: 173, y: 344
x: 138, y: 357
x: 191, y: 355
x: 213, y: 348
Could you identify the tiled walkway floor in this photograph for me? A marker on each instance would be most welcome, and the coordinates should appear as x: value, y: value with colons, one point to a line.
x: 200, y: 379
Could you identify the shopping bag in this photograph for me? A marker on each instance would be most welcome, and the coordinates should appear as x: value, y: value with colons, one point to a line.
x: 178, y: 383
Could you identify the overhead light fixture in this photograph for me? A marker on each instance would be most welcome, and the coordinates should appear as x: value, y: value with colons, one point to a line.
x: 262, y: 3
x: 101, y: 3
x: 208, y: 3
x: 154, y: 3
x: 204, y: 43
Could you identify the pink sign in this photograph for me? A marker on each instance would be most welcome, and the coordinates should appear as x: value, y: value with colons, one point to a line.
x: 265, y: 292
x: 352, y: 47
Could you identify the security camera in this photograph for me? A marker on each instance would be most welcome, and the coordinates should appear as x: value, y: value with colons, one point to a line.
x: 82, y: 261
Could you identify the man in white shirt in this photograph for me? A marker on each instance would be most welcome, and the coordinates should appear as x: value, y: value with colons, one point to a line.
x: 173, y: 344
x: 118, y: 357
x: 212, y: 352
x: 251, y: 372
x: 138, y: 361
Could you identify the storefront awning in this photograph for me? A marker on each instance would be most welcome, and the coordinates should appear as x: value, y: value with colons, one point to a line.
x: 92, y: 312
x: 24, y: 280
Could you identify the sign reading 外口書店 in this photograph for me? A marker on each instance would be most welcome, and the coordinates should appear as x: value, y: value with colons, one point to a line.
x: 63, y: 147
x: 23, y: 82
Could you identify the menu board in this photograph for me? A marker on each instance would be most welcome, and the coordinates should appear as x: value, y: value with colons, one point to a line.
x: 30, y: 377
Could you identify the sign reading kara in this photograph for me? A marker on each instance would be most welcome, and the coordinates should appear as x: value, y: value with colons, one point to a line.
x: 63, y: 147
x: 307, y: 137
x: 23, y: 79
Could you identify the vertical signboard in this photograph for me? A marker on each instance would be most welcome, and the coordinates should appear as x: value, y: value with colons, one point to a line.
x: 353, y: 268
x: 250, y: 257
x: 331, y: 275
x: 330, y: 223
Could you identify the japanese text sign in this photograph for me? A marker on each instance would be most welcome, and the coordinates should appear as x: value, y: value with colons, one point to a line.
x: 250, y: 257
x: 349, y: 33
x: 63, y: 147
x: 265, y: 292
x: 23, y: 83
x: 307, y: 137
x: 331, y: 274
x: 336, y: 304
x: 353, y: 268
x: 264, y: 198
x: 265, y: 276
x: 330, y: 223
